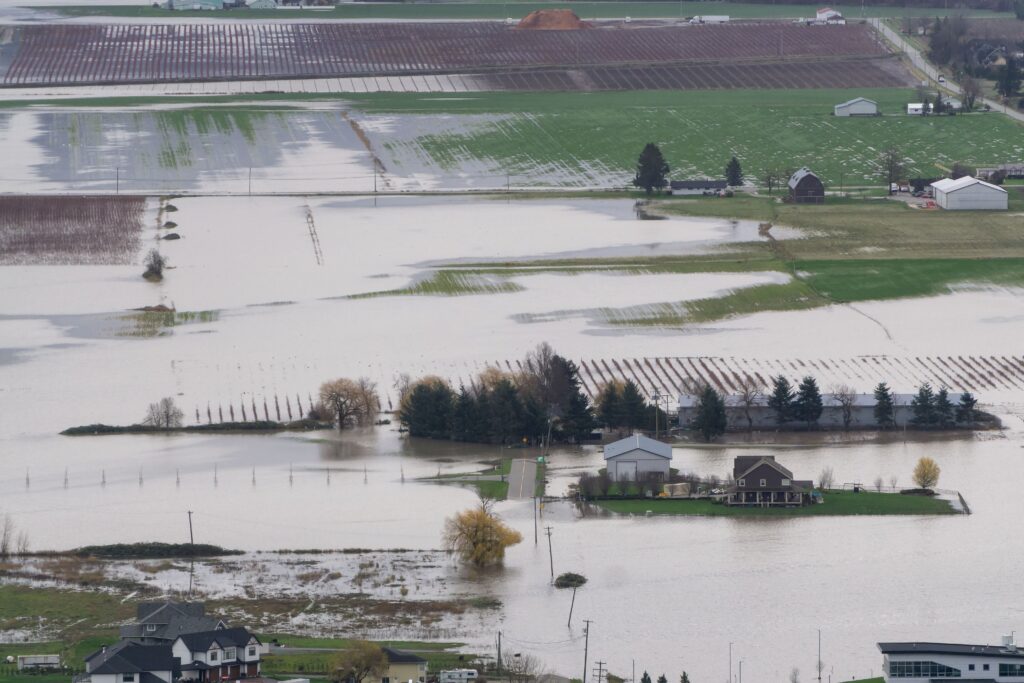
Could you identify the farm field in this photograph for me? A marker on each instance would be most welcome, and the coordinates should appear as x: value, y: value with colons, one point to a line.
x: 409, y: 142
x: 126, y: 53
x: 499, y: 11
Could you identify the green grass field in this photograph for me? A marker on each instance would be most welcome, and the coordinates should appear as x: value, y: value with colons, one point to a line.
x: 836, y: 503
x: 594, y: 138
x: 495, y: 9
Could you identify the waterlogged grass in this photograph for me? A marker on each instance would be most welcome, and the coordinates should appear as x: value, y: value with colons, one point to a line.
x: 496, y: 489
x: 836, y: 503
x: 160, y: 323
x: 449, y: 283
x: 860, y: 280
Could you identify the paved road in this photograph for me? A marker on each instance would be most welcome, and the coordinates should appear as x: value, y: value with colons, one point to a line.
x: 522, y: 480
x: 928, y: 69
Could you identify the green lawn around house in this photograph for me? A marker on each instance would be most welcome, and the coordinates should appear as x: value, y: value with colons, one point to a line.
x: 836, y: 503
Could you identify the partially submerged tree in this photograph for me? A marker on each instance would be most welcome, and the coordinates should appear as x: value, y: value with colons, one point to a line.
x: 926, y: 473
x: 846, y: 397
x: 164, y: 414
x: 944, y: 416
x: 573, y: 581
x: 923, y: 406
x: 478, y: 536
x: 781, y: 399
x: 359, y: 660
x: 348, y: 402
x: 709, y: 416
x: 966, y: 410
x: 651, y: 169
x: 885, y: 409
x: 807, y: 407
x: 749, y: 394
x: 155, y: 263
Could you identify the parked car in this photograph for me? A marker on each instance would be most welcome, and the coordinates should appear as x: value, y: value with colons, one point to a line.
x: 942, y: 79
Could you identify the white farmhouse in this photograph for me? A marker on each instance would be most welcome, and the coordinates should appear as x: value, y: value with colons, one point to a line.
x: 969, y: 194
x: 858, y: 106
x: 925, y: 662
x: 637, y: 457
x: 224, y: 654
x: 128, y: 662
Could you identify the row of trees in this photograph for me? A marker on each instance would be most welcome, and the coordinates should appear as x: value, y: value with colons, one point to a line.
x: 12, y: 541
x: 804, y: 403
x: 652, y: 170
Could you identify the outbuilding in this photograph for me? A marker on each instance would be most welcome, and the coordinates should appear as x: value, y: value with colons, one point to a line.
x: 969, y: 194
x: 637, y: 458
x: 858, y: 106
x: 806, y: 188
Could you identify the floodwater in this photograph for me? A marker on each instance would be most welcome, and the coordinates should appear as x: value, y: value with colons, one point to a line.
x: 669, y: 593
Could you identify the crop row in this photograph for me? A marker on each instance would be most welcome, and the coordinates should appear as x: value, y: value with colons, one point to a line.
x: 69, y: 230
x: 48, y: 54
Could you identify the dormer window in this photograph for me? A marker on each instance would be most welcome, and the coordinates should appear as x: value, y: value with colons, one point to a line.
x: 742, y: 482
x: 764, y: 482
x: 252, y: 650
x: 150, y: 628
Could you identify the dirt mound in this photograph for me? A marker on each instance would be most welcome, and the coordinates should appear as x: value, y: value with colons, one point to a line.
x: 552, y: 20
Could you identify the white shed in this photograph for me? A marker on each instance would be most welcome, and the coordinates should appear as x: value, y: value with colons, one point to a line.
x: 637, y: 457
x: 969, y: 194
x: 858, y: 106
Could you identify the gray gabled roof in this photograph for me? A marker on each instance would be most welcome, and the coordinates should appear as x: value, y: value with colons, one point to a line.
x: 949, y: 649
x: 800, y: 174
x: 169, y: 620
x: 745, y: 464
x: 401, y: 657
x: 638, y: 442
x: 855, y: 100
x: 128, y: 657
x: 227, y: 637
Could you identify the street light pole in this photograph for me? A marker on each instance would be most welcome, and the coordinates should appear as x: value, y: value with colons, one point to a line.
x: 730, y: 663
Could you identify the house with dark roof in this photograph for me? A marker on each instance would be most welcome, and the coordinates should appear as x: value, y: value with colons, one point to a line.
x: 130, y: 662
x: 758, y: 480
x: 638, y: 458
x: 403, y: 667
x: 932, y: 662
x: 806, y: 188
x: 703, y: 186
x: 218, y: 655
x: 162, y: 622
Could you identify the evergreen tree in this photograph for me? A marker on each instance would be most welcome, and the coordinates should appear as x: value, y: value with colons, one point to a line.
x: 734, y: 172
x: 885, y: 411
x: 709, y: 417
x: 506, y: 413
x: 609, y: 406
x: 463, y: 416
x: 662, y: 679
x: 781, y: 399
x: 923, y: 407
x: 480, y: 429
x: 684, y: 678
x: 966, y: 412
x: 535, y: 419
x: 939, y: 107
x: 944, y: 417
x: 633, y: 406
x: 651, y: 169
x: 578, y: 420
x: 926, y: 107
x: 808, y: 405
x: 1009, y: 79
x: 645, y: 678
x: 428, y: 409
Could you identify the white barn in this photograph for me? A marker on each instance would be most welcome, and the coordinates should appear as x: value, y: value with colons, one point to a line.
x: 969, y: 194
x: 858, y: 106
x: 637, y: 457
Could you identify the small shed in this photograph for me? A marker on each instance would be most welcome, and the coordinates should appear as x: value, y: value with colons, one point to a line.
x: 636, y: 458
x: 915, y: 108
x: 702, y: 186
x: 806, y: 188
x: 858, y: 106
x: 969, y: 194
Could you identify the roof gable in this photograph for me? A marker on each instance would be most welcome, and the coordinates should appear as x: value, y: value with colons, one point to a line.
x: 744, y: 465
x: 401, y: 657
x: 948, y: 185
x: 223, y: 638
x: 855, y: 100
x: 638, y: 442
x: 800, y: 174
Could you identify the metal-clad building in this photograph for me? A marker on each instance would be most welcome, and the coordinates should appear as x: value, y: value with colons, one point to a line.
x: 637, y: 457
x: 858, y: 106
x: 969, y: 194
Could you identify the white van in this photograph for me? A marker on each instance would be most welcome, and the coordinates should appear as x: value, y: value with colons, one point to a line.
x: 458, y: 676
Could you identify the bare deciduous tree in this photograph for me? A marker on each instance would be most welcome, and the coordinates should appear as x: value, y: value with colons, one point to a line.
x: 794, y: 675
x: 350, y: 403
x: 22, y: 543
x: 825, y: 479
x: 164, y: 414
x: 521, y: 667
x: 749, y: 395
x: 6, y: 536
x: 358, y: 661
x: 893, y: 480
x: 846, y: 397
x: 879, y: 483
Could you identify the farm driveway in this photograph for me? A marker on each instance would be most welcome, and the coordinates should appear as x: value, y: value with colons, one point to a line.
x: 522, y: 480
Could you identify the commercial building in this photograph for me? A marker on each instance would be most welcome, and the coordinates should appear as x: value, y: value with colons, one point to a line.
x: 930, y: 662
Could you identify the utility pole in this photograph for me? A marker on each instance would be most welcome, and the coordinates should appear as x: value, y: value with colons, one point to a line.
x: 586, y: 647
x: 250, y: 181
x: 499, y: 653
x: 551, y: 557
x: 117, y: 180
x: 599, y: 671
x: 819, y: 656
x: 730, y: 662
x: 535, y: 520
x: 191, y: 539
x: 741, y: 671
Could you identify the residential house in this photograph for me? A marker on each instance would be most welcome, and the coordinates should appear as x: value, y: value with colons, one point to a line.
x: 162, y: 622
x: 929, y: 662
x: 858, y: 106
x: 637, y: 458
x: 403, y: 667
x: 704, y: 186
x: 218, y: 655
x: 131, y: 662
x: 760, y: 481
x: 806, y: 188
x: 969, y: 194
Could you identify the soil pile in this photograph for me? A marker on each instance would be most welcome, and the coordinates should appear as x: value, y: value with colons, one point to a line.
x: 552, y: 20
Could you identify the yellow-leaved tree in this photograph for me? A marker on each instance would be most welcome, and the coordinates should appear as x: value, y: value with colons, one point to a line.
x: 926, y: 473
x: 478, y: 536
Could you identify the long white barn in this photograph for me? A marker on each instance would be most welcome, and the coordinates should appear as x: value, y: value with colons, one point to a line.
x: 969, y: 194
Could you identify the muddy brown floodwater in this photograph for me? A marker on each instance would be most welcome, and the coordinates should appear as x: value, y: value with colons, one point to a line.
x: 669, y: 593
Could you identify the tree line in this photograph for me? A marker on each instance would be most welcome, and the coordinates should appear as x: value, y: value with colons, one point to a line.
x: 804, y: 403
x: 652, y: 170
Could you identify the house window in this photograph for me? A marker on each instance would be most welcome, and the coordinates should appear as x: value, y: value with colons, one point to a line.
x: 764, y: 482
x: 970, y: 667
x: 150, y: 627
x: 252, y: 650
x: 742, y: 482
x: 786, y: 482
x: 128, y: 678
x: 213, y: 655
x: 984, y: 667
x: 1011, y: 670
x: 385, y: 679
x: 922, y: 670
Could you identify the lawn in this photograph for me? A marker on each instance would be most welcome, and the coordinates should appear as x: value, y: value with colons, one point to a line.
x: 836, y: 503
x: 495, y: 9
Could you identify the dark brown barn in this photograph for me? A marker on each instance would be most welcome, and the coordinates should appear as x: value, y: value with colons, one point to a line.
x: 806, y: 188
